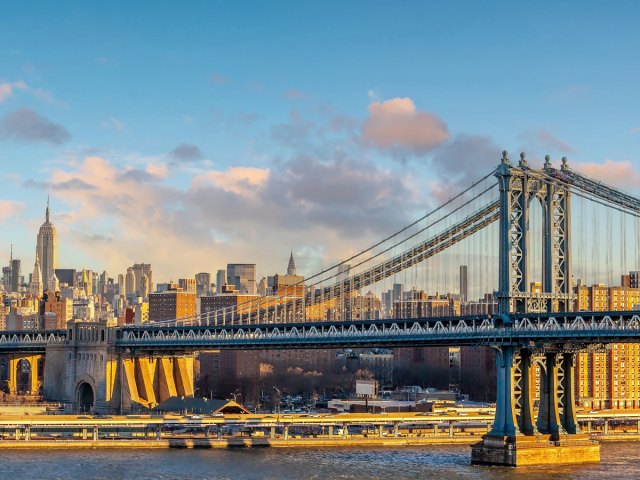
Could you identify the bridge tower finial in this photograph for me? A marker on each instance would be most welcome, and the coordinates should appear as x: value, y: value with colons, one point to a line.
x: 505, y: 157
x: 547, y: 161
x: 523, y: 160
x: 565, y: 166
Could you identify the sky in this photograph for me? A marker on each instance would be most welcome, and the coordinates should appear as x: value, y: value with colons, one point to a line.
x: 190, y: 135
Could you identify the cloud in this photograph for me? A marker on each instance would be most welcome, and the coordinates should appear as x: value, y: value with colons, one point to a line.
x: 635, y: 130
x: 7, y: 89
x: 186, y: 152
x: 620, y: 174
x: 397, y: 125
x: 113, y: 123
x: 9, y: 208
x: 294, y: 95
x: 238, y: 180
x: 28, y: 126
x: 219, y: 78
x: 460, y: 162
x: 548, y: 140
x: 326, y: 207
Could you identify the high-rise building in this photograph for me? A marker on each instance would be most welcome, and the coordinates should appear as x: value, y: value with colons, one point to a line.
x: 464, y: 292
x: 130, y: 282
x: 16, y: 273
x: 243, y: 277
x: 203, y: 283
x: 608, y: 378
x: 65, y: 276
x: 289, y: 284
x: 187, y: 284
x: 171, y: 305
x: 141, y: 269
x: 221, y: 280
x: 36, y: 284
x: 47, y: 248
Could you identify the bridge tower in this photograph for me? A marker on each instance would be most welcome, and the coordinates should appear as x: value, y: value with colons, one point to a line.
x: 516, y: 437
x: 519, y: 187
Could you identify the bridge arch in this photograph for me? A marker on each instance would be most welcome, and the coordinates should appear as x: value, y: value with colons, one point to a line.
x: 23, y: 374
x: 85, y: 395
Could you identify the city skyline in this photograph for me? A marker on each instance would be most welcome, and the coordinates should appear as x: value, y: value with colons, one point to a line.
x: 194, y: 153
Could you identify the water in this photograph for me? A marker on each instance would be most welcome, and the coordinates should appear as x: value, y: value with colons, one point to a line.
x: 619, y: 461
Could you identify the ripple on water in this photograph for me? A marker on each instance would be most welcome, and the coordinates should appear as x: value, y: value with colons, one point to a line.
x: 620, y: 461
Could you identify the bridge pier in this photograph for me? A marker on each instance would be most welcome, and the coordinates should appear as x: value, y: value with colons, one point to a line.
x: 514, y: 439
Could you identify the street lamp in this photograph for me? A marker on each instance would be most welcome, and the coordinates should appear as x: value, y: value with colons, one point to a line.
x: 277, y: 405
x: 235, y: 395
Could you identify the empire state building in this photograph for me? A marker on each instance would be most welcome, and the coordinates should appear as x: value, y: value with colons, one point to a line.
x: 47, y: 249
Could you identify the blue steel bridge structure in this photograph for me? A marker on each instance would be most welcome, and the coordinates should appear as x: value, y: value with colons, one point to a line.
x: 527, y: 233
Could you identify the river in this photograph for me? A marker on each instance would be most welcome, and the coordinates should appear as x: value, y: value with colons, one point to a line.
x: 619, y: 461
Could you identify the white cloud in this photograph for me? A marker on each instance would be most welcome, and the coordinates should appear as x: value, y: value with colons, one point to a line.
x: 396, y: 124
x: 7, y: 90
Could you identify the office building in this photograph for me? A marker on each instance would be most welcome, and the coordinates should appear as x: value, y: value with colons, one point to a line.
x: 47, y: 250
x: 243, y: 277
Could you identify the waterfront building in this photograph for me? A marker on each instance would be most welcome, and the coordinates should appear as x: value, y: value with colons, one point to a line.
x: 608, y: 377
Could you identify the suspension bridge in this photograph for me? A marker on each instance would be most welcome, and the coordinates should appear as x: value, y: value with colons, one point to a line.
x: 528, y: 236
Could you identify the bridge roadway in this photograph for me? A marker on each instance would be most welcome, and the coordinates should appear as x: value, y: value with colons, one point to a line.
x: 575, y: 328
x: 581, y: 328
x: 446, y: 428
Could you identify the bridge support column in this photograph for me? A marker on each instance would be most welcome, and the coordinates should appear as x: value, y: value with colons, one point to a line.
x: 504, y: 423
x: 12, y: 377
x: 506, y: 444
x: 183, y: 368
x: 569, y: 418
x: 525, y: 419
x: 548, y: 413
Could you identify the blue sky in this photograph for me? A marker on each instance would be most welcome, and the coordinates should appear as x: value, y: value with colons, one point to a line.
x: 214, y: 132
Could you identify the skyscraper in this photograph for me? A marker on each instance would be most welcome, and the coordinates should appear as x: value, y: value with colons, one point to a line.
x: 47, y: 249
x: 35, y: 287
x: 140, y: 270
x: 16, y: 273
x: 464, y: 286
x: 203, y: 283
x: 243, y: 276
x: 291, y: 268
x: 221, y: 279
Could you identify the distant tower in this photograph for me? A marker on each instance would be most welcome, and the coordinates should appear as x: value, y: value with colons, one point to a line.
x: 464, y: 285
x: 36, y: 286
x: 145, y: 287
x: 54, y: 284
x: 47, y: 250
x: 291, y: 268
x: 130, y: 282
